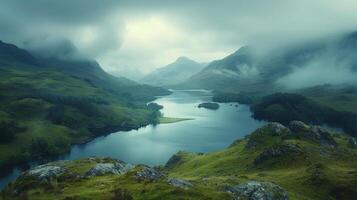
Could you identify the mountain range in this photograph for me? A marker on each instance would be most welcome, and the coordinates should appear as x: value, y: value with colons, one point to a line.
x: 174, y: 73
x: 281, y: 68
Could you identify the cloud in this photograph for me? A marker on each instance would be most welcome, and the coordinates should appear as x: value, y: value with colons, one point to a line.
x: 148, y: 34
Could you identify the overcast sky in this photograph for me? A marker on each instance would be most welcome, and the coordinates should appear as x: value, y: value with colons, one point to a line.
x: 139, y: 36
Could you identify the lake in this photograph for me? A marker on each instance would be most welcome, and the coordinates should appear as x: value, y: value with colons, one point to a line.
x: 210, y: 130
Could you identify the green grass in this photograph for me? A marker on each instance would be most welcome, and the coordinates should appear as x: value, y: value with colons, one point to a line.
x: 221, y: 169
x: 55, y: 110
x: 168, y: 120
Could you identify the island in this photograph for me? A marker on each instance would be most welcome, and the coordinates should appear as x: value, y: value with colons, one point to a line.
x: 169, y: 120
x: 211, y: 106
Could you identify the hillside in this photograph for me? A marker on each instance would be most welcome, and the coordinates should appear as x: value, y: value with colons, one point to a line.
x: 296, y: 162
x: 281, y: 68
x: 174, y: 73
x: 48, y: 104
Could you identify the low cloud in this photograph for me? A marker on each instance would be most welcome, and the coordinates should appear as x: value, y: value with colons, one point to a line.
x: 148, y: 34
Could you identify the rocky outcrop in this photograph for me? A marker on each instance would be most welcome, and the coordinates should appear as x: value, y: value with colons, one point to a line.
x: 175, y: 159
x: 321, y: 136
x: 146, y: 173
x: 352, y: 142
x: 298, y: 126
x: 273, y: 129
x: 46, y: 172
x: 109, y: 168
x: 254, y: 190
x: 183, y: 184
x: 284, y: 150
x: 277, y: 128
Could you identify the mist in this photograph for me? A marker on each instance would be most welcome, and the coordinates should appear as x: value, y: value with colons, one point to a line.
x: 129, y: 36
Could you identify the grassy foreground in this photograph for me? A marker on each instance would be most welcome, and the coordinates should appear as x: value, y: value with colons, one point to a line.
x: 307, y: 168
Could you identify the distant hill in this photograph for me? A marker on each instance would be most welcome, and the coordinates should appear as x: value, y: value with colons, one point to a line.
x: 280, y: 69
x: 47, y: 104
x: 174, y: 73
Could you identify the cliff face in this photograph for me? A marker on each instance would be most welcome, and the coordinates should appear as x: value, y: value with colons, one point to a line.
x: 274, y: 162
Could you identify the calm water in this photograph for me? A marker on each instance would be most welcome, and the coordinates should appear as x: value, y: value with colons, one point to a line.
x: 153, y: 145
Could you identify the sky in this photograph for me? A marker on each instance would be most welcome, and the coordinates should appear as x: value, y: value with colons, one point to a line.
x: 132, y: 38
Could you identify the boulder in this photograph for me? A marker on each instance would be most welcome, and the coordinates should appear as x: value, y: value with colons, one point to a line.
x: 183, y: 184
x: 278, y: 128
x: 146, y: 173
x: 109, y: 168
x: 285, y: 150
x: 352, y: 142
x: 298, y: 126
x: 46, y: 172
x: 254, y: 190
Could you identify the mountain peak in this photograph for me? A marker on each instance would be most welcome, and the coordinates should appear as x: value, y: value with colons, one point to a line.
x: 183, y: 59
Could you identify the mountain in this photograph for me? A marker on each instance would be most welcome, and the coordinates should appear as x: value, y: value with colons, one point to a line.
x: 174, y: 73
x: 281, y: 68
x: 49, y: 103
x: 227, y: 73
x: 296, y: 162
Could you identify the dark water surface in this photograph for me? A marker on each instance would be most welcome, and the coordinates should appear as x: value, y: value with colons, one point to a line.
x: 210, y: 130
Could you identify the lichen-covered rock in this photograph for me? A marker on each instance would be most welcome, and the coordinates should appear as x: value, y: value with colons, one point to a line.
x: 298, y: 126
x: 285, y: 150
x: 109, y: 168
x: 277, y: 128
x: 321, y: 135
x: 254, y: 190
x: 146, y: 173
x: 352, y: 142
x: 46, y: 172
x: 179, y: 183
x: 272, y: 129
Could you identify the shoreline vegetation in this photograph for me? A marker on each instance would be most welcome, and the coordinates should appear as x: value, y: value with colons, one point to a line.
x: 170, y: 120
x: 318, y: 105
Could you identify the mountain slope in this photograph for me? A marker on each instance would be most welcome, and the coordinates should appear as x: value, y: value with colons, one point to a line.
x: 282, y: 68
x: 48, y: 104
x: 174, y: 73
x: 273, y: 162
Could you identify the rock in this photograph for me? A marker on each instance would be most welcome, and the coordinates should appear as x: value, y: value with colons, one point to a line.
x: 175, y: 159
x: 109, y: 168
x: 254, y: 190
x: 46, y: 172
x: 277, y: 152
x: 272, y: 129
x: 298, y: 126
x: 277, y: 128
x: 321, y: 135
x: 179, y: 183
x: 352, y: 142
x: 148, y: 174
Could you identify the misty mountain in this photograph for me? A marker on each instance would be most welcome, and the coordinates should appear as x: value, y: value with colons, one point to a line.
x: 323, y: 61
x: 174, y: 73
x: 68, y: 62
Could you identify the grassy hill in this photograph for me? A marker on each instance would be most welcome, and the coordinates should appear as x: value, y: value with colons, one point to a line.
x: 45, y: 106
x: 291, y: 160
